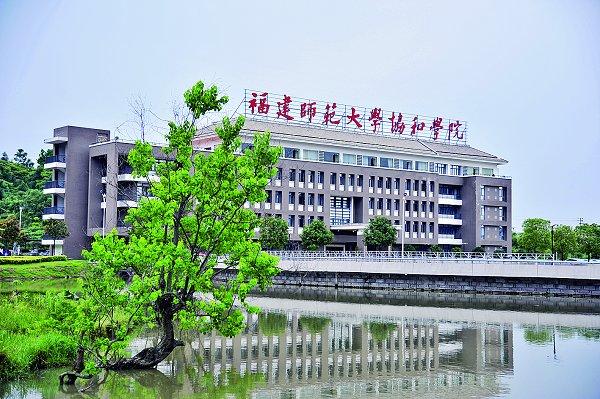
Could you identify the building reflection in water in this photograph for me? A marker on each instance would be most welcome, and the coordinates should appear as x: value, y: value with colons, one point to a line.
x: 305, y: 354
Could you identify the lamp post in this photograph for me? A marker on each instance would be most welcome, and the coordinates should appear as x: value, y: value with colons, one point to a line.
x: 403, y: 224
x: 552, y: 240
x: 103, y: 214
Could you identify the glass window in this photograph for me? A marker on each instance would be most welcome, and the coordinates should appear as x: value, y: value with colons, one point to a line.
x: 421, y: 166
x: 388, y: 204
x: 292, y: 175
x: 350, y: 159
x: 311, y: 176
x: 301, y: 198
x: 482, y: 232
x: 369, y: 160
x: 339, y: 211
x: 332, y: 178
x: 371, y: 181
x: 386, y: 162
x: 407, y: 165
x: 407, y: 186
x: 291, y: 220
x: 380, y: 182
x: 342, y: 179
x: 292, y: 198
x: 278, y: 197
x: 321, y: 177
x: 397, y: 183
x: 351, y: 180
x: 321, y: 200
x: 388, y: 183
x: 396, y: 204
x: 300, y: 220
x: 440, y: 168
x: 245, y: 146
x: 279, y: 174
x: 331, y: 157
x: 311, y: 155
x: 359, y: 182
x: 380, y: 203
x: 371, y: 203
x: 311, y: 199
x: 269, y: 196
x: 293, y: 153
x: 301, y: 175
x: 455, y: 170
x: 487, y: 171
x: 482, y: 191
x: 482, y: 212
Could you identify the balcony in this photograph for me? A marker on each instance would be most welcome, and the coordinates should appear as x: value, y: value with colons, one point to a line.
x: 449, y: 199
x: 56, y: 162
x: 53, y: 212
x: 450, y: 219
x: 56, y: 140
x: 449, y: 239
x: 54, y: 187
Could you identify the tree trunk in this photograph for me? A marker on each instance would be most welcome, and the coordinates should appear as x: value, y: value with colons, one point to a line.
x: 149, y: 358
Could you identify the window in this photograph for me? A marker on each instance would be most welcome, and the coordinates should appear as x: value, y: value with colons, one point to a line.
x: 455, y: 170
x: 386, y: 162
x: 332, y: 178
x: 423, y: 227
x: 407, y: 165
x: 342, y: 179
x: 292, y: 198
x: 301, y: 198
x: 421, y: 166
x: 388, y: 183
x: 278, y: 196
x: 396, y: 204
x: 321, y: 200
x: 501, y: 193
x: 482, y: 232
x: 269, y: 196
x: 311, y: 199
x: 369, y: 161
x: 440, y: 168
x: 380, y: 182
x: 432, y: 187
x: 279, y: 174
x: 407, y: 226
x: 331, y: 157
x: 407, y: 185
x: 415, y: 185
x: 396, y: 184
x: 482, y: 193
x: 291, y: 220
x: 311, y: 155
x: 351, y: 180
x: 245, y: 146
x: 407, y: 206
x: 349, y: 159
x: 339, y: 211
x: 321, y: 179
x: 415, y: 206
x: 379, y: 203
x: 371, y: 181
x: 502, y: 232
x: 424, y: 206
x: 415, y: 227
x: 359, y: 182
x: 431, y: 206
x: 482, y: 212
x: 301, y: 175
x: 431, y: 227
x: 423, y: 185
x: 300, y: 220
x: 487, y: 171
x: 293, y: 153
x: 292, y: 175
x: 311, y: 176
x: 388, y: 204
x: 371, y: 203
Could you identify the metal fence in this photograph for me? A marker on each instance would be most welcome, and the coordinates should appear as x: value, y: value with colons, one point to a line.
x: 381, y: 256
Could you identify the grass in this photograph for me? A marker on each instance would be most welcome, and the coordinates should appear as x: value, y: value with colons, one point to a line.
x: 28, y: 339
x: 19, y: 260
x: 42, y: 270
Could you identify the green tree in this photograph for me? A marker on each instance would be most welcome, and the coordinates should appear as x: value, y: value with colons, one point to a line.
x: 380, y: 233
x: 273, y: 233
x: 479, y: 250
x: 456, y: 250
x: 565, y: 241
x: 193, y: 228
x: 316, y: 235
x: 5, y: 156
x: 21, y: 158
x: 56, y: 230
x: 10, y: 232
x: 588, y: 240
x: 435, y: 248
x: 516, y: 243
x: 535, y: 237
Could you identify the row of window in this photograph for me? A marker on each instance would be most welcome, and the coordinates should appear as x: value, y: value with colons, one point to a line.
x: 493, y: 212
x: 384, y: 162
x: 493, y: 232
x: 378, y: 203
x: 301, y: 198
x: 496, y: 193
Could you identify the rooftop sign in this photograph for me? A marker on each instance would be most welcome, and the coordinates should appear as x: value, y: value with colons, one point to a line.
x: 331, y: 115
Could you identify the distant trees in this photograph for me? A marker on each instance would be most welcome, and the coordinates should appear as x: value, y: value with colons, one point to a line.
x: 588, y: 239
x: 535, y: 237
x: 316, y: 235
x: 22, y: 159
x: 435, y: 248
x: 273, y: 233
x: 565, y: 241
x: 10, y: 232
x: 380, y: 233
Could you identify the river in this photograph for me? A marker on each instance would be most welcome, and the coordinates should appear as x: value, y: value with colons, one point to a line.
x: 327, y: 343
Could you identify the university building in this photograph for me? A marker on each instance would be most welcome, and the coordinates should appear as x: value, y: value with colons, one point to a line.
x: 434, y: 188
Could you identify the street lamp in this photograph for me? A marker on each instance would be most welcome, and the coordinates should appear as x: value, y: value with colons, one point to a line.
x: 403, y: 224
x: 103, y: 214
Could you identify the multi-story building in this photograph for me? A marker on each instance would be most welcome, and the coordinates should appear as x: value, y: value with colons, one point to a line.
x: 436, y: 193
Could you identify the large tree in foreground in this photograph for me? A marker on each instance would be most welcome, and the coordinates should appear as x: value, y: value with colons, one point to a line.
x: 194, y: 227
x: 380, y: 233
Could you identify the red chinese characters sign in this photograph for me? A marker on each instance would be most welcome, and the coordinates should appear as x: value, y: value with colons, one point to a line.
x: 369, y: 120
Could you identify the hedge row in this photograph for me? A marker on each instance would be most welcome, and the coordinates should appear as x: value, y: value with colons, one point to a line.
x: 22, y: 260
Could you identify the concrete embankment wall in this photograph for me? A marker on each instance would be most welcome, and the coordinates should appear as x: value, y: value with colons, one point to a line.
x: 476, y: 276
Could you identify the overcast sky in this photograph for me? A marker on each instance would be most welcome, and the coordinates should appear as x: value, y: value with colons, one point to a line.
x: 524, y: 74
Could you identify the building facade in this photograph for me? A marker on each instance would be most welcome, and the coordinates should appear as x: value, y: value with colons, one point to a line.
x: 451, y: 195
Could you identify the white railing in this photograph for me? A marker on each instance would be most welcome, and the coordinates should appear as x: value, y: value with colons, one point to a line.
x: 409, y: 255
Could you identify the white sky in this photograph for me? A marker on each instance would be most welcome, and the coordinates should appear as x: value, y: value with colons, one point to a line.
x: 524, y: 74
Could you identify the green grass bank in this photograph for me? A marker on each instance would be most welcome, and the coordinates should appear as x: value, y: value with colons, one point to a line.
x: 42, y: 270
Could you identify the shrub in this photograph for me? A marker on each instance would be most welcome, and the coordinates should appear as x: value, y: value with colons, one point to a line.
x: 22, y: 260
x: 435, y: 248
x: 456, y: 250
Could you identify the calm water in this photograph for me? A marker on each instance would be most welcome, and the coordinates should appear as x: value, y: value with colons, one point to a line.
x: 342, y: 343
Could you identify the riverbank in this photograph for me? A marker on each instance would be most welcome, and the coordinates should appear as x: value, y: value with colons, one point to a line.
x: 42, y: 270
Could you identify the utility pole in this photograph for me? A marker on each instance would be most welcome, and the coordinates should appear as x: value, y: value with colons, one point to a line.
x: 580, y: 221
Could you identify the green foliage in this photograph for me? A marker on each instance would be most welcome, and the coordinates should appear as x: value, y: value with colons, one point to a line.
x: 535, y: 237
x: 314, y: 325
x: 565, y: 241
x: 435, y: 248
x: 380, y: 233
x: 479, y: 250
x: 456, y: 250
x: 29, y: 336
x: 316, y: 235
x: 588, y: 238
x: 22, y: 159
x: 21, y: 260
x: 409, y: 248
x: 538, y: 336
x: 194, y: 224
x: 56, y: 230
x: 273, y: 233
x: 10, y: 232
x: 272, y: 323
x: 516, y: 243
x: 43, y: 270
x: 381, y: 331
